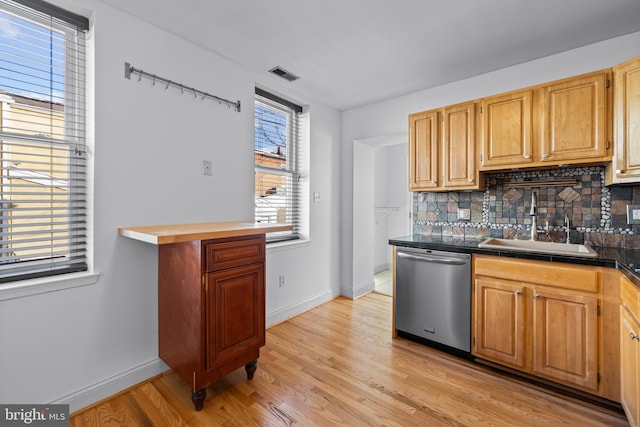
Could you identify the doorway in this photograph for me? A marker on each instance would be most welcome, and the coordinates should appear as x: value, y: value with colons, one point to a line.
x: 382, y: 206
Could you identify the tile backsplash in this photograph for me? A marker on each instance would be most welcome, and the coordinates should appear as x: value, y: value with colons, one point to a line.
x: 597, y: 213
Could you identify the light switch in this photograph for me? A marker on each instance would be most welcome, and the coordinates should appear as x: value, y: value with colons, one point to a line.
x: 206, y: 167
x: 633, y: 214
x: 316, y: 197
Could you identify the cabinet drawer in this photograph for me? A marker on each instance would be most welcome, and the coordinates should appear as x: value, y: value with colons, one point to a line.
x: 630, y: 296
x: 231, y: 253
x: 566, y: 276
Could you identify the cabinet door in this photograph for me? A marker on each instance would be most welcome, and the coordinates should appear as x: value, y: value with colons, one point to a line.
x: 565, y: 337
x: 459, y: 146
x: 506, y: 130
x: 499, y: 321
x: 424, y: 139
x: 626, y: 121
x: 235, y: 313
x: 574, y: 119
x: 630, y: 366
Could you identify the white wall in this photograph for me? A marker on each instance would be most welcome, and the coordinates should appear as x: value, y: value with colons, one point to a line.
x: 391, y: 193
x: 363, y: 217
x: 80, y: 345
x: 390, y: 117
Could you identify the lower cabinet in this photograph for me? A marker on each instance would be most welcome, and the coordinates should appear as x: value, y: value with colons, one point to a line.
x: 211, y: 308
x: 630, y: 351
x: 565, y: 346
x: 500, y: 321
x: 539, y: 318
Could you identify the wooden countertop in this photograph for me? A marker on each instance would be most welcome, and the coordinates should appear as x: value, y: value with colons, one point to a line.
x: 163, y: 234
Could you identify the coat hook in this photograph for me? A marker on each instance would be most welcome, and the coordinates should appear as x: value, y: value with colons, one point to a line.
x: 129, y: 69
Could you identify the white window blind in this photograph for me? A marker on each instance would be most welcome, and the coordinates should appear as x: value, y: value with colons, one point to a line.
x: 43, y: 221
x: 276, y: 154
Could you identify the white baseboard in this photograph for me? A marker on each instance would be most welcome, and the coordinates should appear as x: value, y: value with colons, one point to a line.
x: 364, y: 289
x: 359, y: 291
x: 110, y: 386
x: 295, y: 309
x: 381, y: 267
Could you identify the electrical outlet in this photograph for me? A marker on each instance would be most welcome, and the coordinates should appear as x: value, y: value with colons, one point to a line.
x: 281, y: 281
x: 206, y: 167
x: 464, y: 214
x: 633, y: 214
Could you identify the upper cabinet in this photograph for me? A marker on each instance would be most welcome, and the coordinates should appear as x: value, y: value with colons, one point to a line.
x: 442, y: 149
x: 556, y: 124
x: 424, y: 141
x: 507, y: 130
x: 590, y: 119
x: 574, y: 120
x: 625, y: 167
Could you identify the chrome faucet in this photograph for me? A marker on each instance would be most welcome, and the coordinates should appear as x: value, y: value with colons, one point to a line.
x: 567, y: 226
x: 534, y: 216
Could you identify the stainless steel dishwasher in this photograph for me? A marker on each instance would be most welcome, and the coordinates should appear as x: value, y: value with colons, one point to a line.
x: 433, y: 297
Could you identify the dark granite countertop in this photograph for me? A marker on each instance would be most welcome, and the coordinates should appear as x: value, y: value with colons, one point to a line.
x: 625, y: 260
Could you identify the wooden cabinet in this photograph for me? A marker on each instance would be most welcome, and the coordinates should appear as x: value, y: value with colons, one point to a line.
x: 559, y: 123
x: 625, y: 167
x: 442, y: 149
x: 507, y: 138
x: 211, y: 308
x: 574, y: 122
x: 565, y: 336
x: 537, y: 317
x: 424, y: 144
x: 500, y: 320
x: 630, y: 351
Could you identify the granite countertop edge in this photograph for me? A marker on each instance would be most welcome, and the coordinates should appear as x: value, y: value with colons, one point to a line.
x: 625, y: 260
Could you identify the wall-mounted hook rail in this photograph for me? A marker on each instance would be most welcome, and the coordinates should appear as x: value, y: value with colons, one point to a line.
x: 129, y: 69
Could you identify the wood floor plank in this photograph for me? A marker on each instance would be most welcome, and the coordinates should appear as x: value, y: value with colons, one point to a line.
x: 338, y: 365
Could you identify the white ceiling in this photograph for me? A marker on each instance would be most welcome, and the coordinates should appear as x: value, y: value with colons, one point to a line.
x: 350, y: 53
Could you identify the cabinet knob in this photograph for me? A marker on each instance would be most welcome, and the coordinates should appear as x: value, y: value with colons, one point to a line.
x: 538, y: 296
x: 434, y: 182
x: 634, y: 336
x: 470, y: 179
x: 518, y: 293
x: 544, y: 156
x: 526, y: 156
x: 618, y: 171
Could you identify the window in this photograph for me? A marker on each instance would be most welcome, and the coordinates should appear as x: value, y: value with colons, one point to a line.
x: 277, y: 163
x: 43, y: 223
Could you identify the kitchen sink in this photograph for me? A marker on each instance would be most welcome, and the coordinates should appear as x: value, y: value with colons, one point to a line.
x: 570, y: 249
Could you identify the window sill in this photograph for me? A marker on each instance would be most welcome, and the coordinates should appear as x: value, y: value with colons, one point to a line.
x: 25, y: 288
x: 287, y: 244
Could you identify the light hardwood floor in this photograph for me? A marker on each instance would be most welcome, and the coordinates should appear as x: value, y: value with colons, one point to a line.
x: 338, y: 365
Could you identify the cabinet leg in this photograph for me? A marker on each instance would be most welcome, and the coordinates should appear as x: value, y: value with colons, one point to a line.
x: 197, y: 397
x: 251, y: 369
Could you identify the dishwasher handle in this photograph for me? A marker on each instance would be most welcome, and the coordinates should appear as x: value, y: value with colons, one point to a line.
x: 436, y: 260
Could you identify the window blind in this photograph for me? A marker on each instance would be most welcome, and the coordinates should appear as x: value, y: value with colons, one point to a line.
x: 43, y: 155
x: 276, y: 154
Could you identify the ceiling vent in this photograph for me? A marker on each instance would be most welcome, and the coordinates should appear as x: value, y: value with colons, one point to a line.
x: 279, y: 71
